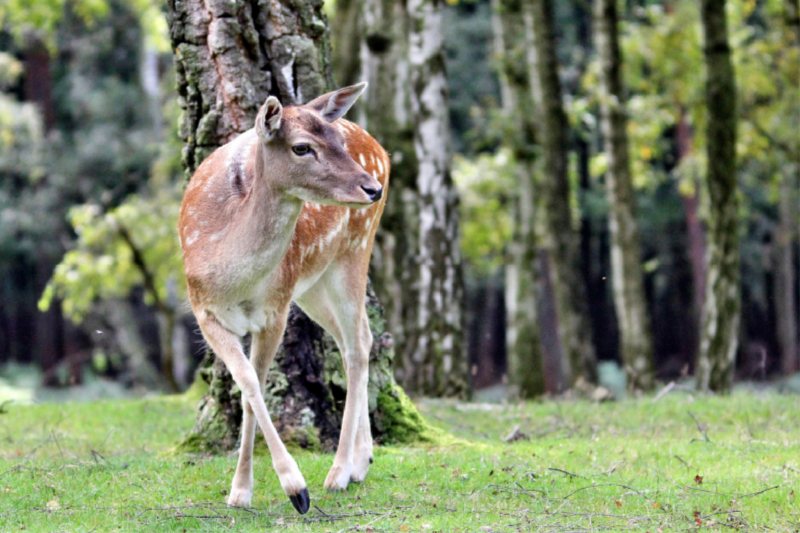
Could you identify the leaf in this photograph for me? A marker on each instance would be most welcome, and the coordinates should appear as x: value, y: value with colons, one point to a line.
x: 698, y: 479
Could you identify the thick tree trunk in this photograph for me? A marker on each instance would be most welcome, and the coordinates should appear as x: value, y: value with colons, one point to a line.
x: 559, y: 236
x: 626, y: 266
x: 229, y: 56
x: 721, y: 311
x: 433, y: 360
x: 385, y: 113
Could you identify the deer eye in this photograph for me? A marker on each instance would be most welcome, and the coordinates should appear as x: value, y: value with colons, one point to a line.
x: 301, y: 149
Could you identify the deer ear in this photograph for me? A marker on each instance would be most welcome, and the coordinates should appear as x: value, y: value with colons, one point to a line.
x: 268, y: 120
x: 334, y: 105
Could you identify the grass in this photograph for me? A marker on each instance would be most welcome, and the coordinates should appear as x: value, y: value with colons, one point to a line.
x: 681, y: 463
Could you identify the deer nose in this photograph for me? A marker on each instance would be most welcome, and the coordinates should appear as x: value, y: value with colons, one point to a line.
x: 373, y: 193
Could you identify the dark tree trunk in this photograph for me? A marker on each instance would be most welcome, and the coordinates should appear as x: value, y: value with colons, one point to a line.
x: 695, y: 234
x: 49, y: 325
x: 785, y: 296
x: 786, y: 306
x: 636, y: 345
x: 559, y: 236
x: 721, y: 310
x: 229, y: 57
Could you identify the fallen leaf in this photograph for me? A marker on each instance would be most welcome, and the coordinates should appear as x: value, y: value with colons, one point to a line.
x: 698, y: 479
x: 53, y: 505
x: 619, y: 503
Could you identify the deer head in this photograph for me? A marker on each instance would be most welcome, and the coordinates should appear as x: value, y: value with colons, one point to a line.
x: 303, y: 153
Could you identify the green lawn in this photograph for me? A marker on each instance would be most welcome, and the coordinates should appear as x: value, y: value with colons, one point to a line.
x: 636, y: 465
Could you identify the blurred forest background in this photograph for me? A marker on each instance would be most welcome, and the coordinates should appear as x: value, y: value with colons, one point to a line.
x: 580, y: 220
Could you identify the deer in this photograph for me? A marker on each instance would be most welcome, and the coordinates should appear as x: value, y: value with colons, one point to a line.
x: 287, y: 212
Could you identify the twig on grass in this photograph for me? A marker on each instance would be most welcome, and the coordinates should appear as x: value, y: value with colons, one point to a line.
x: 351, y: 528
x: 759, y: 492
x: 567, y: 473
x: 57, y: 444
x: 640, y: 493
x: 663, y: 392
x: 699, y: 427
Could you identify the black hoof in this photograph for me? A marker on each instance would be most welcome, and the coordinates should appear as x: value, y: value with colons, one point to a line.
x: 301, y: 502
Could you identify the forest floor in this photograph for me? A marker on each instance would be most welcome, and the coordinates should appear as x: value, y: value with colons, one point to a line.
x: 678, y: 463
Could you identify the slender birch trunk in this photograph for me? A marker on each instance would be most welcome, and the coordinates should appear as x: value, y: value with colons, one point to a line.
x: 385, y: 113
x: 636, y: 344
x: 525, y: 354
x: 559, y: 236
x: 722, y: 308
x: 346, y: 42
x: 434, y: 360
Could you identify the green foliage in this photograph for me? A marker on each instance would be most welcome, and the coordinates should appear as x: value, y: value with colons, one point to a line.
x: 42, y: 17
x: 620, y: 466
x: 102, y: 263
x: 486, y: 186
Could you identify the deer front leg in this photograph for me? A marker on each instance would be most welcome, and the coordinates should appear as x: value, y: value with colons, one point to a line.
x: 262, y: 352
x: 227, y: 347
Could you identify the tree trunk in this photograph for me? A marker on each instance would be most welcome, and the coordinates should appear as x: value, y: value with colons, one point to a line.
x: 785, y: 302
x: 636, y: 345
x: 785, y: 272
x: 721, y: 311
x: 229, y: 57
x: 523, y: 291
x: 433, y: 359
x: 559, y: 236
x: 345, y: 37
x: 385, y: 113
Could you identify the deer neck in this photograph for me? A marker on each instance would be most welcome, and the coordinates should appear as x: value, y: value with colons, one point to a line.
x: 268, y: 215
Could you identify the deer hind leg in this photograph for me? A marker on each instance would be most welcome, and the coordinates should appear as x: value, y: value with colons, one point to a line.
x: 228, y: 348
x: 262, y: 352
x: 332, y: 305
x: 362, y: 454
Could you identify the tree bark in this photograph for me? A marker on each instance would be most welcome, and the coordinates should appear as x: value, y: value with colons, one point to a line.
x: 559, y: 236
x: 785, y: 304
x: 345, y: 37
x: 695, y: 235
x: 721, y: 311
x: 385, y: 113
x: 636, y: 345
x: 229, y: 57
x: 433, y: 359
x: 525, y: 290
x: 787, y: 234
